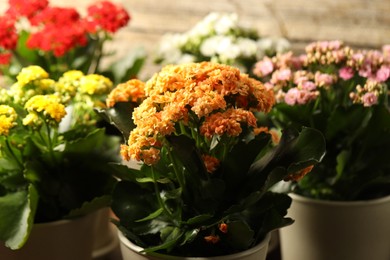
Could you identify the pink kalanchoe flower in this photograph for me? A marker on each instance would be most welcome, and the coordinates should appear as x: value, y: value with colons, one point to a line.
x: 383, y: 73
x: 346, y: 73
x: 268, y: 86
x: 369, y: 99
x: 305, y: 96
x: 284, y: 74
x: 291, y: 96
x: 366, y: 72
x: 264, y: 67
x: 308, y: 85
x: 323, y: 79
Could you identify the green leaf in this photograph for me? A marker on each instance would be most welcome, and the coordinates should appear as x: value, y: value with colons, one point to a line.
x: 240, y: 158
x: 185, y: 149
x: 90, y: 206
x: 120, y: 117
x: 198, y: 219
x: 239, y: 236
x: 17, y: 216
x: 346, y: 121
x: 151, y: 216
x: 190, y: 236
x: 84, y: 145
x: 170, y: 236
x: 132, y: 202
x: 295, y: 151
x: 26, y: 53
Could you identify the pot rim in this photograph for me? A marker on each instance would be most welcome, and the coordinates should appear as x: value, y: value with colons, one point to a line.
x: 62, y: 221
x: 337, y: 203
x: 249, y: 251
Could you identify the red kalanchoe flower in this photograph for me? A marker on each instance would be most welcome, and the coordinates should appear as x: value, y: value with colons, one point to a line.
x: 5, y: 58
x: 106, y: 16
x: 56, y: 15
x: 26, y: 8
x: 58, y: 40
x: 8, y: 34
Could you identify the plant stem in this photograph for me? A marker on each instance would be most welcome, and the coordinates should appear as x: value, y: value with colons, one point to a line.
x: 13, y: 154
x: 179, y: 176
x: 96, y: 54
x: 49, y: 142
x: 160, y: 202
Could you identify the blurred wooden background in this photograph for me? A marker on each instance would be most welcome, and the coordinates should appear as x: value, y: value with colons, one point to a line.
x: 361, y: 23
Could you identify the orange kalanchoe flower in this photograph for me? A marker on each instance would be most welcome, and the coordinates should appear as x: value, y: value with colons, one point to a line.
x: 213, y: 239
x: 223, y: 227
x: 210, y: 162
x: 132, y: 90
x: 211, y: 99
x: 296, y: 176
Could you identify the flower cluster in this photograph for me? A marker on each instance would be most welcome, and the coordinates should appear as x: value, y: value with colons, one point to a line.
x: 57, y: 38
x: 219, y: 37
x: 204, y: 87
x: 343, y: 92
x: 206, y: 165
x: 51, y: 150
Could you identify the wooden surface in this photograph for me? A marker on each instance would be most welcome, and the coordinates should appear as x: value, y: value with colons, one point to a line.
x: 360, y: 23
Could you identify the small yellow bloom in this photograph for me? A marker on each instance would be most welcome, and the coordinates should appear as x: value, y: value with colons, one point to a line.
x: 49, y: 105
x: 72, y: 75
x: 69, y: 82
x: 94, y: 84
x: 31, y: 119
x: 45, y: 85
x: 31, y: 73
x: 7, y: 119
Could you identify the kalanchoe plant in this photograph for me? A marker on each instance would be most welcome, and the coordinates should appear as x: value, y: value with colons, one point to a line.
x: 343, y: 92
x: 206, y: 168
x: 218, y: 37
x: 60, y: 39
x: 53, y: 157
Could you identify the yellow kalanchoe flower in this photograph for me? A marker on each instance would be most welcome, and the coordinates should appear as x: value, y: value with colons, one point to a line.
x: 69, y: 82
x: 31, y: 73
x: 32, y: 119
x: 94, y: 84
x: 50, y: 105
x: 7, y: 119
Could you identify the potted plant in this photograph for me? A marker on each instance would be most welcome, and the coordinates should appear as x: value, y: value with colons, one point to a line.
x: 53, y: 159
x: 218, y: 37
x: 60, y: 39
x: 206, y: 168
x: 343, y: 92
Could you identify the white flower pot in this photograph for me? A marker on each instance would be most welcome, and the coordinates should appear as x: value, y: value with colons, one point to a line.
x: 131, y: 251
x: 105, y: 237
x: 333, y: 230
x: 58, y: 240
